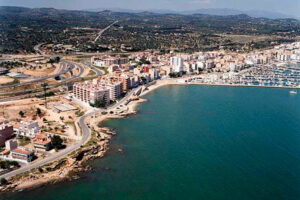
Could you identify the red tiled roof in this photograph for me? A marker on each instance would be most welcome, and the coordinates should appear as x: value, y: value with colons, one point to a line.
x: 36, y: 141
x: 21, y: 151
x: 5, y: 152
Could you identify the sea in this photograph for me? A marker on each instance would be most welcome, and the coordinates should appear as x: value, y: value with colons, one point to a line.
x: 196, y: 142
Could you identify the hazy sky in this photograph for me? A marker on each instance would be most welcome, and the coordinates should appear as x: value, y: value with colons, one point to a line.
x: 291, y: 7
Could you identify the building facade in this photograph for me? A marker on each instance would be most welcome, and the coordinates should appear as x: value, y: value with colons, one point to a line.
x: 27, y: 129
x: 177, y: 64
x: 90, y: 92
x: 6, y: 132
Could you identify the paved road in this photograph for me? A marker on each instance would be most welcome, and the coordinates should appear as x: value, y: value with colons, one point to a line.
x: 86, y: 134
x: 65, y: 69
x: 73, y: 65
x: 37, y: 49
x: 61, y: 154
x: 98, y: 71
x: 103, y: 30
x: 84, y: 129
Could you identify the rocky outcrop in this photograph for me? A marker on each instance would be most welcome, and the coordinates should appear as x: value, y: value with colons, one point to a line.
x: 65, y: 169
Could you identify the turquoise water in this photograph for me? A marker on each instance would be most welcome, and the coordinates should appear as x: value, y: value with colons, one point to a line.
x: 195, y: 142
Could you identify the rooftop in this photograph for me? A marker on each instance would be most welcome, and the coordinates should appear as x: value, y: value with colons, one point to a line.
x: 21, y: 151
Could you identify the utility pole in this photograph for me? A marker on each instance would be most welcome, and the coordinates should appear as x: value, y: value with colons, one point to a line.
x: 44, y: 85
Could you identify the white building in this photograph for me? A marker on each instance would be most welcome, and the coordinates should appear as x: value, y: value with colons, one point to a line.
x: 177, y: 64
x: 14, y: 153
x: 89, y: 92
x: 27, y: 129
x: 201, y: 65
x: 232, y: 66
x: 153, y: 73
x: 115, y: 90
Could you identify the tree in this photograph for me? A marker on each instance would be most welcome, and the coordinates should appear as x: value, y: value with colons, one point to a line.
x: 144, y: 80
x: 21, y: 113
x: 3, y: 181
x: 45, y: 85
x: 99, y: 103
x: 56, y: 142
x: 175, y: 75
x: 54, y: 60
x: 38, y: 112
x: 57, y: 59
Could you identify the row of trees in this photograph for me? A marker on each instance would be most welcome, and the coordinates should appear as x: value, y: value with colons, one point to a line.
x: 101, y: 103
x: 54, y: 60
x: 175, y: 74
x: 38, y: 112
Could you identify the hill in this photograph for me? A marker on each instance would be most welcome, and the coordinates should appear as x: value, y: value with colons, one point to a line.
x: 22, y: 28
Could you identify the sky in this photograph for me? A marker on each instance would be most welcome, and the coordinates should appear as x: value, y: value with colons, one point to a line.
x: 289, y: 7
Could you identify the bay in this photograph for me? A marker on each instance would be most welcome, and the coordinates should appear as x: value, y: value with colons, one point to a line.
x: 197, y: 142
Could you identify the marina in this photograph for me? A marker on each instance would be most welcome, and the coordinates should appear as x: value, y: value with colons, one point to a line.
x: 265, y: 76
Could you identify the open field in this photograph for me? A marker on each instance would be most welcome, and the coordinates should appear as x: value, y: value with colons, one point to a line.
x: 5, y: 80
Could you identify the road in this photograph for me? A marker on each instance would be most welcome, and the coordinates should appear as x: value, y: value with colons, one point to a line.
x: 73, y: 65
x: 67, y: 67
x: 83, y: 129
x: 103, y: 30
x: 86, y: 134
x: 98, y: 71
x: 37, y: 49
x: 61, y: 154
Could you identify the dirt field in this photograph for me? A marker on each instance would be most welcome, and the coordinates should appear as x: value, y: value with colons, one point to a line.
x: 38, y: 70
x: 5, y: 80
x: 50, y: 121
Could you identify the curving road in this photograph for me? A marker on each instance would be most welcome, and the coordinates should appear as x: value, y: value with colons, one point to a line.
x: 72, y: 65
x: 98, y: 71
x: 61, y: 154
x: 83, y: 129
x: 86, y: 134
x: 65, y: 69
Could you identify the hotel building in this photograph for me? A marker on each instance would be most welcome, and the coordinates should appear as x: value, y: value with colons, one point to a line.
x: 176, y: 63
x: 90, y: 92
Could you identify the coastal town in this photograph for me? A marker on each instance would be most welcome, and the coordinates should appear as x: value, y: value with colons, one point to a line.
x: 37, y: 129
x: 137, y: 99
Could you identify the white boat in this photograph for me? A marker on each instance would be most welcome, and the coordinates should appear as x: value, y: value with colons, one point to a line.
x: 293, y: 92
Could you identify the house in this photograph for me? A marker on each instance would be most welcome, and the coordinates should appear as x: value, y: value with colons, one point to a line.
x: 27, y: 129
x: 22, y: 154
x: 13, y: 152
x: 41, y: 142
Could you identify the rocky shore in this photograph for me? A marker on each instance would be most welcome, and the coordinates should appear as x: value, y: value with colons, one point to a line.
x: 68, y: 168
x: 64, y: 169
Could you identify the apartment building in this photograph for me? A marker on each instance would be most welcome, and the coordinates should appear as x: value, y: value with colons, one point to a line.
x: 6, y: 132
x: 176, y: 63
x: 22, y: 154
x: 13, y: 152
x: 90, y: 92
x: 114, y: 84
x: 108, y: 60
x: 27, y: 128
x: 153, y: 72
x: 126, y: 81
x: 41, y: 142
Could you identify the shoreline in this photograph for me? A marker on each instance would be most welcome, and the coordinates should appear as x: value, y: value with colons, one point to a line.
x: 68, y: 168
